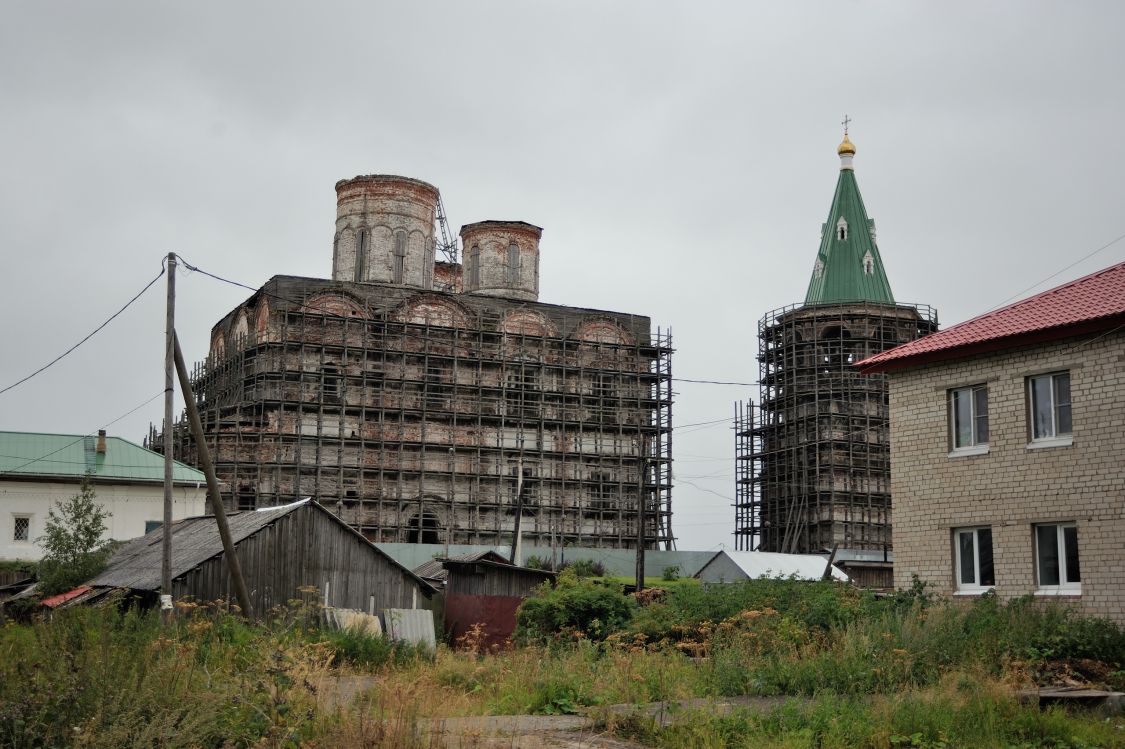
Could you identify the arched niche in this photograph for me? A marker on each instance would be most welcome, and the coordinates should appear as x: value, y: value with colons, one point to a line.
x: 335, y: 304
x: 262, y: 321
x: 430, y: 309
x: 529, y: 323
x: 240, y: 330
x: 218, y: 345
x: 424, y: 527
x: 602, y: 331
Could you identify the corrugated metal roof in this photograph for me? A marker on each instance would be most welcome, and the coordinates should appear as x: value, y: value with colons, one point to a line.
x: 72, y: 456
x: 56, y: 600
x: 478, y: 556
x: 431, y: 570
x: 771, y: 564
x: 434, y: 569
x: 1099, y: 296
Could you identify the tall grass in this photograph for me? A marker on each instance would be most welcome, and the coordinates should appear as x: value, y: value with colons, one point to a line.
x: 873, y: 672
x: 961, y: 711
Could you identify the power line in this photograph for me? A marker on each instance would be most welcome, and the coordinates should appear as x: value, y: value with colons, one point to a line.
x: 1056, y: 273
x: 704, y: 489
x: 91, y: 335
x: 716, y: 382
x: 702, y: 423
x: 84, y: 436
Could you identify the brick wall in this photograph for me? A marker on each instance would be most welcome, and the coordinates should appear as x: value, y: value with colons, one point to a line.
x: 1012, y: 486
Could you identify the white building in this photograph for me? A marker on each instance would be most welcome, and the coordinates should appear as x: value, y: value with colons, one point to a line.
x: 39, y: 470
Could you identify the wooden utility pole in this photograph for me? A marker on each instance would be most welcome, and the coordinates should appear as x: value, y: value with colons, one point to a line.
x: 196, y: 424
x: 641, y: 522
x: 169, y: 393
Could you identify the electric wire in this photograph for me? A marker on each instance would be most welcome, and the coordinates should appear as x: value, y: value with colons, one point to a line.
x: 1056, y: 273
x: 716, y: 382
x: 81, y: 438
x: 88, y: 337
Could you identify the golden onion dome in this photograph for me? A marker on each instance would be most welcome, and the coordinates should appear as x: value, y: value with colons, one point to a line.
x: 847, y: 147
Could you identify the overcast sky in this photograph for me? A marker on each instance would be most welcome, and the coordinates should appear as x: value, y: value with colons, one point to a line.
x: 680, y: 157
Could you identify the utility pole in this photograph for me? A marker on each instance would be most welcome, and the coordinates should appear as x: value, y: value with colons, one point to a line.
x: 169, y: 393
x: 196, y: 425
x: 641, y: 521
x: 452, y: 516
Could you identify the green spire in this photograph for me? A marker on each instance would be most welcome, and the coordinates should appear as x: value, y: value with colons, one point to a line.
x: 848, y: 267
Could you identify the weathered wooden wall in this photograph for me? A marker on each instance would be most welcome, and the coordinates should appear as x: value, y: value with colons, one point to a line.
x: 477, y: 579
x: 309, y: 548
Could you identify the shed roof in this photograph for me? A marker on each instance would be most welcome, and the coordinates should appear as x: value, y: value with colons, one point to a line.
x: 72, y: 456
x: 493, y: 560
x: 771, y: 564
x: 137, y: 564
x: 434, y: 569
x: 1089, y: 304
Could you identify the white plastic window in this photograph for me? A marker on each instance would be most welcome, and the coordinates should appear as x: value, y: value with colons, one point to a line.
x: 973, y: 551
x: 1056, y: 558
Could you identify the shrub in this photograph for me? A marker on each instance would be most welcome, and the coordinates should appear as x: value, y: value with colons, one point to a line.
x: 575, y: 607
x: 671, y: 573
x: 586, y: 568
x: 537, y: 563
x: 72, y: 542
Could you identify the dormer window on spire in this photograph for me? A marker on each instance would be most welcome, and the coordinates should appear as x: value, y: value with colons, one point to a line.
x: 868, y: 263
x: 841, y: 229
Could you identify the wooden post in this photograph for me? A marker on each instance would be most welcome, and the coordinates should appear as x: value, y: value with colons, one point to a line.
x: 641, y: 521
x: 208, y: 467
x: 519, y: 510
x: 169, y: 393
x: 831, y: 559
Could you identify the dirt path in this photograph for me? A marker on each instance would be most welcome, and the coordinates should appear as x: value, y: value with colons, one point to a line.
x: 537, y: 731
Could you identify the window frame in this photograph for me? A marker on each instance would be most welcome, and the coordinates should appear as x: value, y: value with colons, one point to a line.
x: 361, y: 241
x: 513, y: 266
x: 16, y: 517
x: 1055, y: 438
x: 1064, y: 587
x: 398, y: 258
x: 975, y: 446
x: 474, y: 268
x: 976, y: 587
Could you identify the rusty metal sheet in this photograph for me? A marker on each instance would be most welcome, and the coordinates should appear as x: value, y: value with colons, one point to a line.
x: 497, y: 614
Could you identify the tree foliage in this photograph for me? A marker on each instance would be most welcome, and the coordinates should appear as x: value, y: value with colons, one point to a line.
x: 73, y: 548
x: 574, y: 607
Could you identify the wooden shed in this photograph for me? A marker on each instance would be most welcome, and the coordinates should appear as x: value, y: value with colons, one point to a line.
x: 281, y: 550
x: 485, y: 589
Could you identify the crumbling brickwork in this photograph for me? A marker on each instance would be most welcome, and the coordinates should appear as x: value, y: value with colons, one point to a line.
x: 422, y: 408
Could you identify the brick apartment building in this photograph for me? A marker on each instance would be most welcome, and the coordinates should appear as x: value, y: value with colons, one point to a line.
x: 1008, y: 449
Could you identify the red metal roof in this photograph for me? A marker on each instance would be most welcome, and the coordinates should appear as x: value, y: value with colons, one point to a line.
x: 1089, y: 304
x: 62, y: 598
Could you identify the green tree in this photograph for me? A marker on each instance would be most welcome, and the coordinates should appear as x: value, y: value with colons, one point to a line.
x: 573, y: 607
x: 73, y: 547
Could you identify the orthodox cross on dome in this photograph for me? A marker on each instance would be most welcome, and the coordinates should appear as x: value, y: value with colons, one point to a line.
x: 845, y: 123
